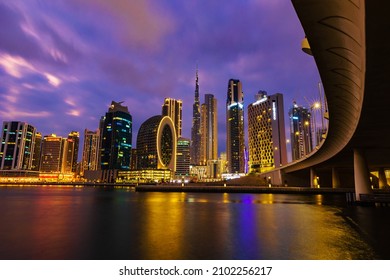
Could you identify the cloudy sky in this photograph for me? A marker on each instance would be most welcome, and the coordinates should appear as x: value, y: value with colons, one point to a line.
x: 63, y: 62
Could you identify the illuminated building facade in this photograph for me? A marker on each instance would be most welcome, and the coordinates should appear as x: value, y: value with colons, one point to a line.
x: 300, y: 127
x: 156, y: 144
x: 173, y: 109
x: 224, y: 164
x: 36, y: 162
x: 52, y: 153
x: 198, y: 173
x: 235, y: 145
x: 267, y: 141
x: 90, y: 159
x: 71, y: 149
x: 17, y: 146
x: 183, y: 157
x: 209, y: 130
x: 116, y: 143
x: 101, y: 129
x: 144, y: 176
x: 195, y: 130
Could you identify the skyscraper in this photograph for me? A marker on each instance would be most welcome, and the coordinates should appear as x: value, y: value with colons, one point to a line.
x: 195, y: 130
x: 173, y: 109
x: 209, y: 130
x: 101, y: 129
x: 52, y: 153
x: 71, y: 152
x: 235, y: 145
x: 36, y: 162
x: 300, y: 128
x: 267, y: 141
x: 90, y: 159
x: 116, y: 138
x: 17, y: 146
x: 156, y: 144
x: 183, y: 157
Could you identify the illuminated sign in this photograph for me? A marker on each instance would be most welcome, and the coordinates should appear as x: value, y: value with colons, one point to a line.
x: 260, y: 101
x: 274, y: 110
x: 236, y: 104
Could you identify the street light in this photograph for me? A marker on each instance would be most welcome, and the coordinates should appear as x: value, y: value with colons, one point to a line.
x: 318, y: 105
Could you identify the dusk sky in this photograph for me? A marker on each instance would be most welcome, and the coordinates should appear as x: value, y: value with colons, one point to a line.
x: 63, y: 62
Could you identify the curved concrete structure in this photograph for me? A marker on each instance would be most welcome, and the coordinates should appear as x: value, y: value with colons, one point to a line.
x: 348, y: 42
x: 336, y: 32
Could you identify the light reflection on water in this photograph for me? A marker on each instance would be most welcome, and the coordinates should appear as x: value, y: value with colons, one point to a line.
x: 94, y: 223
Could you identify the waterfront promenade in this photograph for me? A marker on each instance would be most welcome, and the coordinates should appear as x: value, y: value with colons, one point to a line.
x: 188, y: 187
x: 238, y: 189
x: 378, y: 196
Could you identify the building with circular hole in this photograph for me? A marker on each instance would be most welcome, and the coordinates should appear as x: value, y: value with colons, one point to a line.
x: 156, y: 144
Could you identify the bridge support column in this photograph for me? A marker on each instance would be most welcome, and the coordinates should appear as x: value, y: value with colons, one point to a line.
x: 313, y: 178
x: 382, y: 178
x: 361, y: 174
x: 335, y: 178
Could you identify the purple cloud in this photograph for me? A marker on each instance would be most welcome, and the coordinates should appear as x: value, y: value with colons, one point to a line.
x: 61, y: 63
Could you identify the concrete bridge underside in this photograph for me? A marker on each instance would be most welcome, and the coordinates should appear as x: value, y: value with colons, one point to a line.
x: 349, y: 44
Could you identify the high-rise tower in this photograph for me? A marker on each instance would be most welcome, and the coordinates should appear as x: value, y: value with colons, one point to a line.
x: 156, y: 144
x: 52, y: 153
x: 116, y: 138
x: 17, y: 146
x: 183, y: 157
x: 235, y: 145
x: 195, y: 131
x: 36, y: 161
x: 209, y: 132
x: 71, y: 152
x: 267, y: 141
x: 173, y: 109
x: 300, y: 127
x: 90, y: 159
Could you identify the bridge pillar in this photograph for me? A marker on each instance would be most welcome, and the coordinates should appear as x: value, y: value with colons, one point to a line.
x: 382, y: 178
x: 361, y: 174
x: 313, y: 178
x: 335, y: 178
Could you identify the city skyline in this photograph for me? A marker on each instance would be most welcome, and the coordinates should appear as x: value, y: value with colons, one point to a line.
x: 134, y: 204
x: 61, y: 66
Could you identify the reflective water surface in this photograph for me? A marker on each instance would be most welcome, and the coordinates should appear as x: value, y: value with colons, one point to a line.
x: 96, y: 223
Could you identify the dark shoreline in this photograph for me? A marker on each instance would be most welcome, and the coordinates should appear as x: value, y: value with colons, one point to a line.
x: 239, y: 189
x: 348, y: 192
x: 85, y: 184
x: 189, y: 187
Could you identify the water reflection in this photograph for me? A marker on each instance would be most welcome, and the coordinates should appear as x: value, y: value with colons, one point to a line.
x: 38, y: 225
x: 163, y: 226
x: 88, y: 223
